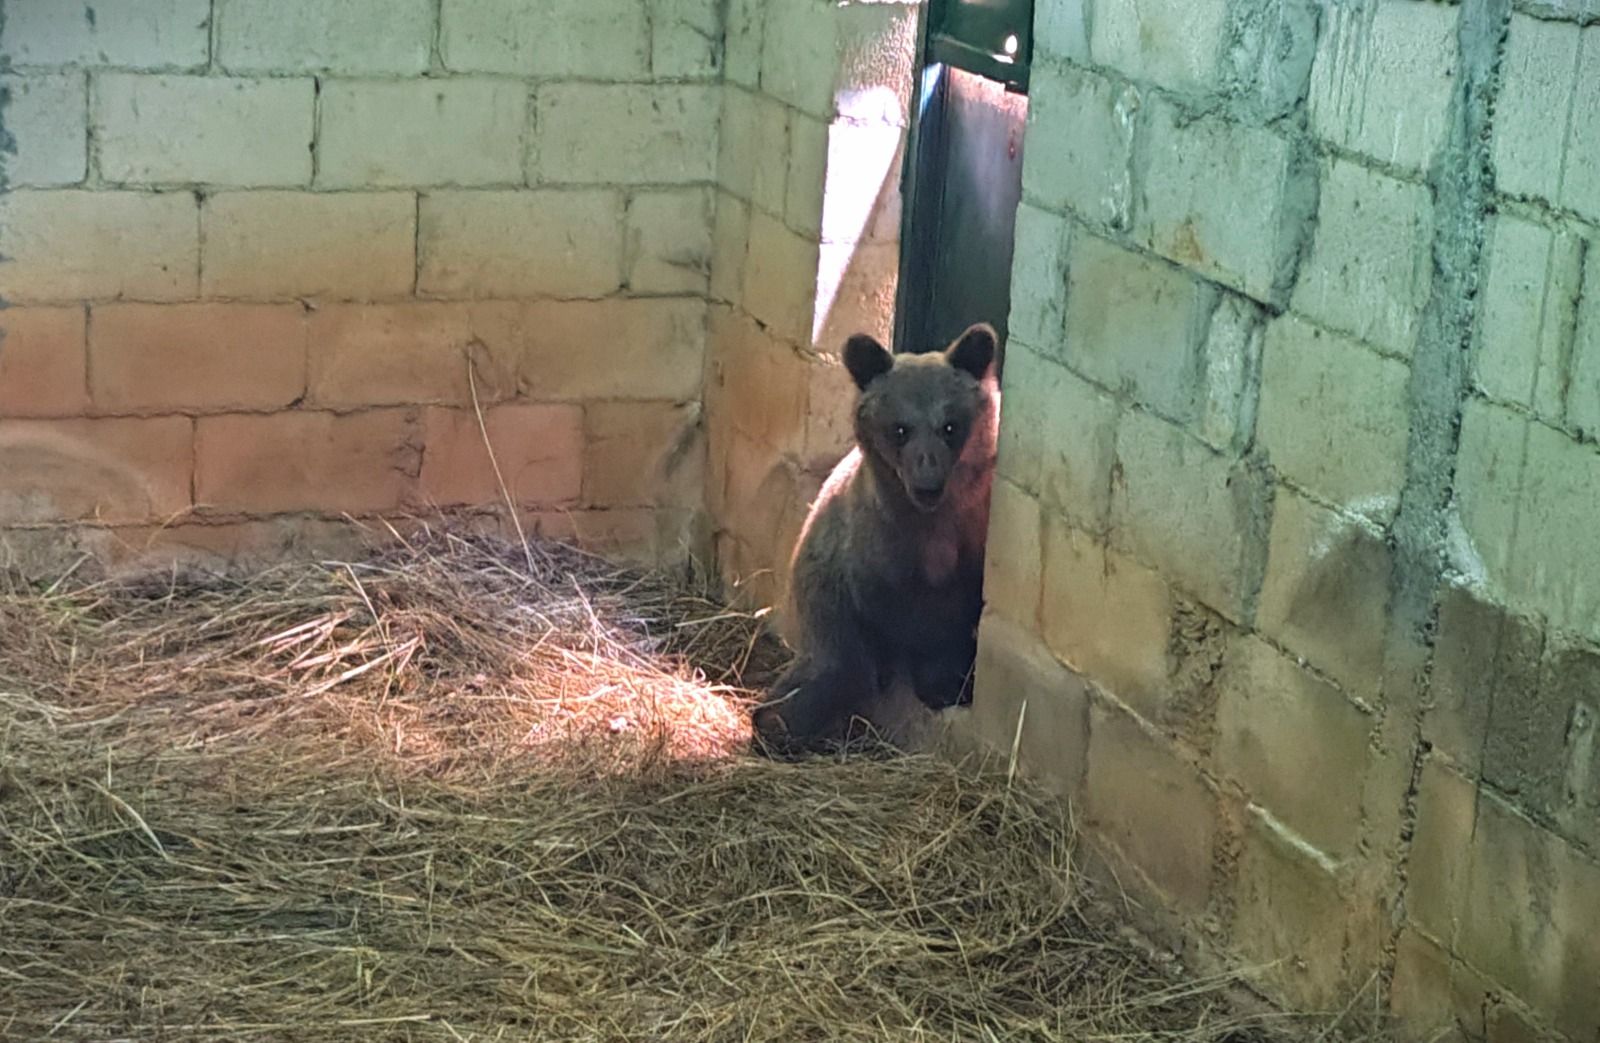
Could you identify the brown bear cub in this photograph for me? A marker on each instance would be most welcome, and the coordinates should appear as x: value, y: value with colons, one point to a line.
x: 887, y: 577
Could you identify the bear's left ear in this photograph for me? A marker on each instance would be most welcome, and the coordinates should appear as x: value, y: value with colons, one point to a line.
x: 973, y: 351
x: 866, y: 359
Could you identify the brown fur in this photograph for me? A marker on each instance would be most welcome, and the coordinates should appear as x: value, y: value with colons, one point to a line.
x: 887, y: 577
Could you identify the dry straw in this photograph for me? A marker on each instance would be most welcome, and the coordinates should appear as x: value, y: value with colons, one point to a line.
x: 460, y: 791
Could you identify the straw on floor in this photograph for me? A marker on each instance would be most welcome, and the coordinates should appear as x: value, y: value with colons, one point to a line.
x: 460, y: 791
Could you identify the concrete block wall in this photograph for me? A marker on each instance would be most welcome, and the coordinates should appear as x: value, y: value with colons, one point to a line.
x: 1294, y: 579
x: 251, y: 245
x: 805, y: 253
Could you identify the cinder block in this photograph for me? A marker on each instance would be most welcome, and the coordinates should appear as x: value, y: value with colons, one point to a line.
x: 855, y: 292
x: 1527, y: 920
x: 196, y: 358
x: 729, y: 235
x: 1527, y: 314
x: 604, y: 133
x: 69, y: 245
x: 1580, y: 175
x: 307, y: 461
x: 1225, y: 200
x: 1531, y: 526
x: 47, y: 118
x: 353, y: 37
x: 1136, y: 324
x: 1017, y: 681
x: 1533, y: 108
x: 830, y: 413
x: 134, y: 34
x: 534, y: 243
x: 1583, y: 384
x: 1231, y: 359
x: 1334, y: 416
x: 686, y: 39
x: 1056, y: 436
x: 42, y: 362
x: 1269, y: 54
x: 780, y: 278
x: 538, y: 449
x: 1290, y: 917
x: 1296, y: 744
x: 284, y: 245
x: 648, y: 454
x: 452, y: 131
x: 1039, y: 279
x: 1481, y: 648
x: 1383, y: 79
x: 849, y: 60
x: 1326, y: 591
x: 1191, y: 513
x: 1175, y: 43
x: 805, y: 183
x: 1370, y: 265
x: 1153, y: 805
x: 742, y: 42
x: 861, y: 195
x: 1438, y: 867
x: 1014, y: 561
x: 1061, y: 30
x: 548, y: 39
x: 412, y: 353
x: 757, y: 385
x: 669, y: 241
x: 621, y: 348
x: 1420, y: 994
x: 1080, y: 144
x: 1106, y: 617
x: 753, y: 150
x: 203, y: 130
x: 106, y: 470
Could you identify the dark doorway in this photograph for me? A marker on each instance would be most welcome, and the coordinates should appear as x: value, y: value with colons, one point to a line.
x: 963, y: 175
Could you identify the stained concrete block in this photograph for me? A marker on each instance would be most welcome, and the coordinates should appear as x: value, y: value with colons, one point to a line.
x: 753, y: 144
x: 529, y: 243
x: 1269, y: 51
x: 283, y: 245
x: 451, y: 131
x: 686, y: 39
x: 1542, y: 749
x: 1190, y: 512
x: 1420, y: 994
x: 1289, y: 915
x: 1534, y: 104
x: 47, y: 118
x: 1231, y: 361
x: 135, y: 34
x: 742, y: 42
x: 1333, y: 416
x: 1296, y: 743
x: 1528, y: 917
x: 353, y: 37
x: 1137, y: 324
x: 780, y: 278
x: 1152, y: 805
x: 1018, y: 679
x: 1528, y: 497
x: 1174, y: 43
x: 1326, y: 591
x: 668, y: 246
x: 1580, y: 176
x: 43, y: 362
x: 1056, y: 436
x: 1080, y: 144
x: 1370, y: 266
x: 730, y: 233
x: 1482, y: 650
x: 1383, y: 79
x: 107, y: 470
x: 1528, y: 314
x: 1107, y: 617
x: 1228, y: 201
x: 1583, y: 384
x: 1039, y: 278
x: 852, y: 60
x: 1061, y: 30
x: 593, y: 39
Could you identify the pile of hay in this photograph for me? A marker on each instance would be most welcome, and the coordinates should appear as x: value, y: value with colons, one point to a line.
x: 456, y: 791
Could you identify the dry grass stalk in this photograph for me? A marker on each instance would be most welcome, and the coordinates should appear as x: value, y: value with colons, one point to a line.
x: 436, y: 795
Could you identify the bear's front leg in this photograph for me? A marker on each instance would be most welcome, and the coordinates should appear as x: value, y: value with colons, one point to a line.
x: 943, y: 677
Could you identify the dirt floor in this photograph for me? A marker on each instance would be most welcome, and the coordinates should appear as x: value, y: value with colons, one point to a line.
x: 464, y: 790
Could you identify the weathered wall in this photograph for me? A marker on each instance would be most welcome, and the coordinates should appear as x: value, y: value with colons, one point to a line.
x: 251, y: 245
x: 806, y: 253
x: 1295, y: 564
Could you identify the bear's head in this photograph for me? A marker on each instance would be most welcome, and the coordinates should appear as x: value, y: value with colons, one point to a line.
x: 917, y: 411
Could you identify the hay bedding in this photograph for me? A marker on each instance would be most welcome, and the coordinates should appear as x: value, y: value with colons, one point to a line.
x: 463, y: 791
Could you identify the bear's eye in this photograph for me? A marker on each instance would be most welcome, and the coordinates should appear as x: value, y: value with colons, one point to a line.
x: 949, y: 429
x: 901, y: 434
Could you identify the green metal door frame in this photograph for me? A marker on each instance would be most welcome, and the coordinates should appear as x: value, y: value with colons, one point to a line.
x: 993, y: 38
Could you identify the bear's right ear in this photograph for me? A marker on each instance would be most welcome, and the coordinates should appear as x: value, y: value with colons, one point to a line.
x: 866, y: 359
